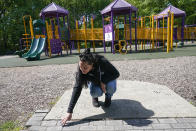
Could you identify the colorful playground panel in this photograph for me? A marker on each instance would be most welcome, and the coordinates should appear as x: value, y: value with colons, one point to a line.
x: 149, y: 29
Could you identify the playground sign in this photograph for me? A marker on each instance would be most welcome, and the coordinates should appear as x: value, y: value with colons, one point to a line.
x: 108, y: 32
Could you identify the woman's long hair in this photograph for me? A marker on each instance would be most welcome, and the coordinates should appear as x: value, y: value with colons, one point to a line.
x: 88, y: 57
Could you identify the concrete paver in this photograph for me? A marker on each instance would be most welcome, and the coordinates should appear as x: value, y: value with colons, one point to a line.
x: 133, y: 99
x: 137, y: 106
x: 100, y: 125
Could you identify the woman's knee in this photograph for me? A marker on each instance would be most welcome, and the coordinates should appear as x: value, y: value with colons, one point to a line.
x: 111, y: 87
x: 96, y: 93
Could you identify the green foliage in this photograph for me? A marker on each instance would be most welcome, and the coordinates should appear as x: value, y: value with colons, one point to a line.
x: 12, y: 11
x: 10, y: 126
x: 150, y: 7
x: 191, y: 19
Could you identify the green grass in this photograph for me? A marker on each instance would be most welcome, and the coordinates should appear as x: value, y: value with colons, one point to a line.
x: 10, y: 126
x: 191, y: 102
x: 53, y: 102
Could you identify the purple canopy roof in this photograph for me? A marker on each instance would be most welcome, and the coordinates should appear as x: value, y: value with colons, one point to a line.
x: 118, y: 7
x: 52, y: 10
x: 177, y: 12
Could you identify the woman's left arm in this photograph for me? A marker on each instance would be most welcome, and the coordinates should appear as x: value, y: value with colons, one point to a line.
x: 103, y: 87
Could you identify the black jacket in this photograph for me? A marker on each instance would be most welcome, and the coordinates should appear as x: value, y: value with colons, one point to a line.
x: 103, y: 71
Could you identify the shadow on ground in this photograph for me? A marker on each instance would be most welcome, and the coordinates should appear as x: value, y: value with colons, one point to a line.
x: 132, y: 112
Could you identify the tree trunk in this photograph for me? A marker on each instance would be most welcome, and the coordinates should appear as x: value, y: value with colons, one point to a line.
x: 4, y: 42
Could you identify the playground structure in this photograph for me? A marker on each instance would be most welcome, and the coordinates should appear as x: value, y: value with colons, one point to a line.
x: 151, y: 36
x: 148, y: 34
x: 139, y: 33
x: 27, y: 37
x: 53, y: 30
x: 35, y: 50
x: 30, y: 34
x: 144, y: 34
x: 92, y: 34
x: 34, y: 31
x: 116, y: 8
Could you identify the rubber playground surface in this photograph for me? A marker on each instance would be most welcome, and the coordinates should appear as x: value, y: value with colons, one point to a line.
x: 189, y: 49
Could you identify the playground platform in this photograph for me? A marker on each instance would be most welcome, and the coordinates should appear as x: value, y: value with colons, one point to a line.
x: 136, y: 106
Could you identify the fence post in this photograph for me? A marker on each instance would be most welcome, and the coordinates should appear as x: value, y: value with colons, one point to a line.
x: 77, y: 37
x: 172, y: 29
x: 142, y: 32
x: 85, y: 31
x: 92, y: 32
x: 152, y: 32
x: 168, y: 32
x: 163, y: 32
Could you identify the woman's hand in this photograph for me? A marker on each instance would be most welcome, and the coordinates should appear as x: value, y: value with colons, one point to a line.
x: 103, y: 87
x: 67, y: 118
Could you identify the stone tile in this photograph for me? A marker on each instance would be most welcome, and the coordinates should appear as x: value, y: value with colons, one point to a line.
x: 37, y: 128
x: 153, y: 120
x: 134, y: 130
x: 186, y: 120
x: 70, y: 128
x: 142, y: 127
x: 111, y: 128
x: 126, y: 127
x: 40, y: 114
x: 82, y: 123
x: 154, y: 130
x: 114, y: 123
x: 175, y: 130
x: 88, y: 128
x: 193, y: 125
x: 190, y: 119
x: 98, y: 123
x: 181, y: 125
x: 49, y: 123
x: 79, y: 123
x: 180, y: 120
x: 36, y: 118
x: 168, y: 120
x: 161, y: 126
x: 68, y: 123
x: 59, y: 123
x: 136, y: 122
x: 32, y: 123
x: 54, y: 128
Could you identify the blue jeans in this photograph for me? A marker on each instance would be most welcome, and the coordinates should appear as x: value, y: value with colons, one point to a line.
x: 96, y: 91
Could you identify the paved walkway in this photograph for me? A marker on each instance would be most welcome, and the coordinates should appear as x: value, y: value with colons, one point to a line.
x: 8, y: 56
x: 139, y: 106
x: 15, y: 61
